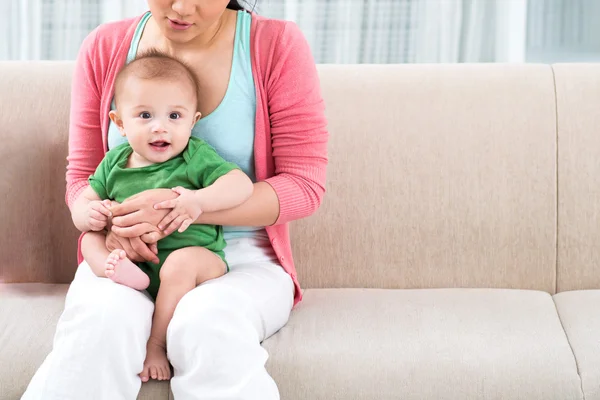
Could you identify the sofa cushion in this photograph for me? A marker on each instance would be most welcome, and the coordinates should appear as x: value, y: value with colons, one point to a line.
x: 28, y: 317
x: 424, y: 344
x: 578, y: 311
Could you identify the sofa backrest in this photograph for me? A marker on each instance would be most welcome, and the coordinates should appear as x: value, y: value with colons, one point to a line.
x: 578, y: 104
x: 439, y: 176
x: 38, y: 241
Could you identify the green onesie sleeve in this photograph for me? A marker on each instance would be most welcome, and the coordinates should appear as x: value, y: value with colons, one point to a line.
x: 98, y: 180
x: 205, y: 166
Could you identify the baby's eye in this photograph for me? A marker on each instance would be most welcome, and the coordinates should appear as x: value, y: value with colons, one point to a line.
x: 145, y: 115
x: 174, y: 115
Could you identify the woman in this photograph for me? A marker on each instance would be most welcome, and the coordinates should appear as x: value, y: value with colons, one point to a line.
x: 260, y: 94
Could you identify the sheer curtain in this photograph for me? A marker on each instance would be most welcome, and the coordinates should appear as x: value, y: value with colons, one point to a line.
x: 400, y: 31
x: 54, y: 29
x: 349, y: 31
x: 564, y: 30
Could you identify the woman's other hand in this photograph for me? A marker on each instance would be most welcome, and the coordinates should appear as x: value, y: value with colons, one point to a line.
x: 135, y: 248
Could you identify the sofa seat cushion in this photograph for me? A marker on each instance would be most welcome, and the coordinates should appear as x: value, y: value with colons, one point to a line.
x: 28, y: 317
x: 424, y: 344
x: 580, y: 315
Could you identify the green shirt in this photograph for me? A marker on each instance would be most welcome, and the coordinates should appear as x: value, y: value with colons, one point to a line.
x: 197, y: 167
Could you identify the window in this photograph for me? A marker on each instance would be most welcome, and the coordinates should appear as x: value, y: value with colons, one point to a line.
x: 349, y: 31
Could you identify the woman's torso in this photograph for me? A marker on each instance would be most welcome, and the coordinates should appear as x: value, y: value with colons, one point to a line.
x: 230, y: 105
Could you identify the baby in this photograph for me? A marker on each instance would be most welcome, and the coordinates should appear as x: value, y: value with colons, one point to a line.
x: 156, y: 99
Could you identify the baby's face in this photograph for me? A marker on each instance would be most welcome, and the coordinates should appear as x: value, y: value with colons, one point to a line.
x: 158, y: 117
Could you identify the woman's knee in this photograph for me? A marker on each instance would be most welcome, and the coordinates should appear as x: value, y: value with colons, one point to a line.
x: 103, y: 305
x: 209, y: 309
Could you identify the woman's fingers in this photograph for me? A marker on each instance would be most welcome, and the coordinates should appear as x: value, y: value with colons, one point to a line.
x: 131, y: 253
x: 151, y: 237
x: 143, y: 250
x: 113, y: 242
x: 133, y: 231
x: 128, y: 220
x: 125, y: 208
x: 165, y: 204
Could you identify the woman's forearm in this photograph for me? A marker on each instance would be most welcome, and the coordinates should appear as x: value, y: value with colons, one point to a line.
x: 261, y: 209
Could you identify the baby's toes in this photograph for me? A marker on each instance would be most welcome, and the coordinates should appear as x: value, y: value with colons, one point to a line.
x: 112, y: 260
x: 120, y: 254
x: 153, y: 372
x: 144, y: 375
x: 109, y: 270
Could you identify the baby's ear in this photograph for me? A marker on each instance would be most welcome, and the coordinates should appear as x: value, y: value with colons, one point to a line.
x: 114, y: 117
x: 197, y: 117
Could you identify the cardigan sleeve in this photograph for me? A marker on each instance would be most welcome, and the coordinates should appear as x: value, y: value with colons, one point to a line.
x: 85, y: 134
x: 298, y: 126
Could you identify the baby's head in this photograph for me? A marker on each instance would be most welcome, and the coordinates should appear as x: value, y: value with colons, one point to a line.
x: 156, y: 99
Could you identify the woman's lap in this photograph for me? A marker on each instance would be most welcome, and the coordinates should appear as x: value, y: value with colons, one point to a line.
x: 110, y: 324
x: 96, y: 336
x: 222, y: 323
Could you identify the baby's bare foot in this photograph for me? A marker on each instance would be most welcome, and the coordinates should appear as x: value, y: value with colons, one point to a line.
x: 123, y: 271
x: 156, y: 365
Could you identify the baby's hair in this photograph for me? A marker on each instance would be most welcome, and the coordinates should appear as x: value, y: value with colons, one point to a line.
x: 154, y: 64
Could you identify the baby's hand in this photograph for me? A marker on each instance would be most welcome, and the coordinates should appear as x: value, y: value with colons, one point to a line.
x: 98, y: 214
x: 185, y: 210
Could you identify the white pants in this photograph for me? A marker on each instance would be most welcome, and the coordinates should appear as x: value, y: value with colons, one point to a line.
x: 213, y: 339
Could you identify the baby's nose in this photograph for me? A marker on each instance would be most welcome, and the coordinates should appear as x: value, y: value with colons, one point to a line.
x: 158, y: 127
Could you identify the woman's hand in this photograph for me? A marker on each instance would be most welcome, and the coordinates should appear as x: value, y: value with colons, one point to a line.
x: 135, y: 248
x: 137, y: 217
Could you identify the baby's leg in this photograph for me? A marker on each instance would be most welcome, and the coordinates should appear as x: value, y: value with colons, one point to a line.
x: 183, y: 270
x: 113, y: 265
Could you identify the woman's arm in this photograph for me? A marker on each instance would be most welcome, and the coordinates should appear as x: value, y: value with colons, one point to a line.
x: 298, y: 125
x: 85, y: 134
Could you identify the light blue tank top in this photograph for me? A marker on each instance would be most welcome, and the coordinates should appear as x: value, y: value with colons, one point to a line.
x: 230, y: 127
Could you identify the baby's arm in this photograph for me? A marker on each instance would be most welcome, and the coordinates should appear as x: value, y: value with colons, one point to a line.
x: 89, y: 212
x: 228, y: 191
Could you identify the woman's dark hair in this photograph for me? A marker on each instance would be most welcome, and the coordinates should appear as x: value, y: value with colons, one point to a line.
x: 237, y: 5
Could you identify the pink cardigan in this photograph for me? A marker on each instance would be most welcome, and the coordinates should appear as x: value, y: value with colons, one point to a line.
x: 290, y: 147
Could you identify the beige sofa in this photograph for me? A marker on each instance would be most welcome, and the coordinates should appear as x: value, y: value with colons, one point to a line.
x: 455, y: 255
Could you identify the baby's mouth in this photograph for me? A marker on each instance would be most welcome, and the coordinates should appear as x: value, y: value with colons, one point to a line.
x: 160, y: 143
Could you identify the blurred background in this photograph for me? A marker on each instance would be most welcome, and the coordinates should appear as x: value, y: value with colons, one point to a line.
x: 349, y: 31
